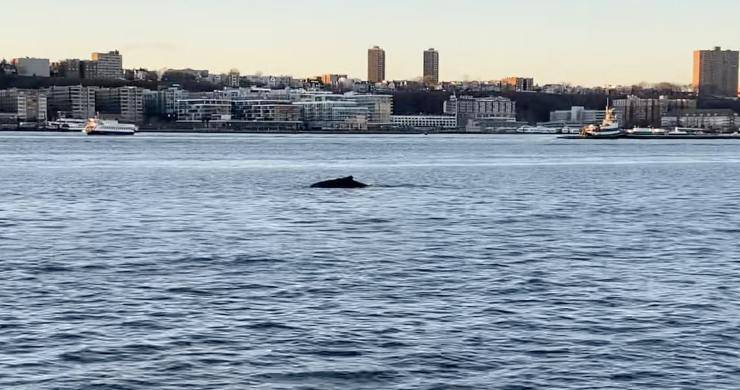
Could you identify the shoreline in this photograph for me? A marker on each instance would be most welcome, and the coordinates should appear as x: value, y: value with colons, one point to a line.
x: 724, y: 136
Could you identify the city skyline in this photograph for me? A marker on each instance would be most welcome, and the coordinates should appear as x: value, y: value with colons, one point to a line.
x: 565, y: 41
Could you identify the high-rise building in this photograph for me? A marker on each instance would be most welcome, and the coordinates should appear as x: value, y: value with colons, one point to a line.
x: 431, y: 67
x: 25, y: 105
x: 76, y: 102
x: 375, y: 65
x: 109, y: 65
x: 715, y: 72
x: 125, y: 103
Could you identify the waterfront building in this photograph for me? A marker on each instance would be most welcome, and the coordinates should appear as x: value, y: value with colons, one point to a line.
x: 24, y: 105
x: 203, y: 110
x: 439, y: 122
x: 265, y: 110
x: 75, y: 102
x: 375, y: 65
x: 468, y: 108
x: 431, y: 67
x: 163, y: 103
x: 635, y: 111
x: 578, y: 115
x: 328, y: 113
x: 714, y: 119
x: 379, y: 108
x: 125, y: 104
x: 519, y: 84
x: 107, y: 66
x: 716, y: 72
x: 36, y: 67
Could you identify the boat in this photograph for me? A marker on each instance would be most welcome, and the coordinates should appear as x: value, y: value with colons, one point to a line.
x: 645, y: 131
x: 66, y: 124
x: 97, y: 126
x: 609, y: 127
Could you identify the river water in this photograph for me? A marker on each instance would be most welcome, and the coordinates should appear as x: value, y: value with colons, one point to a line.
x: 472, y: 262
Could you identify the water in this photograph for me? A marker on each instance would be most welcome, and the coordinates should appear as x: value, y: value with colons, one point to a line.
x: 175, y: 261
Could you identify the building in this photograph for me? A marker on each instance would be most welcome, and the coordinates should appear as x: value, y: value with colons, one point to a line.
x: 24, y: 105
x: 125, y: 104
x: 163, y: 103
x: 431, y: 67
x: 67, y: 68
x: 715, y: 120
x: 519, y: 84
x: 89, y: 70
x: 436, y: 122
x: 265, y: 110
x: 109, y: 66
x: 578, y: 115
x: 375, y: 65
x: 716, y: 72
x: 468, y: 108
x: 36, y: 67
x: 379, y: 108
x: 635, y: 111
x: 203, y: 110
x: 333, y: 80
x: 76, y: 102
x: 328, y: 113
x: 233, y: 79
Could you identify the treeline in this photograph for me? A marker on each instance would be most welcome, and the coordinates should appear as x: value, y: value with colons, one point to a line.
x: 24, y: 82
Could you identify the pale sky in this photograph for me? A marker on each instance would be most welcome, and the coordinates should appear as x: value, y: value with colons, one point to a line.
x: 590, y: 42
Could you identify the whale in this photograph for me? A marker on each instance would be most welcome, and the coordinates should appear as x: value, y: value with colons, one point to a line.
x: 344, y: 182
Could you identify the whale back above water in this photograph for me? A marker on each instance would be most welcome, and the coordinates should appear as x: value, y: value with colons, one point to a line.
x: 344, y: 182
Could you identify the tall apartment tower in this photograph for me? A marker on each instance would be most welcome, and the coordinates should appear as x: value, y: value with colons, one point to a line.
x: 375, y: 65
x: 715, y: 72
x: 431, y: 67
x: 109, y: 65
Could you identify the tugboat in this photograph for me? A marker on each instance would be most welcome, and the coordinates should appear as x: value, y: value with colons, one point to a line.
x: 97, y: 126
x: 609, y: 127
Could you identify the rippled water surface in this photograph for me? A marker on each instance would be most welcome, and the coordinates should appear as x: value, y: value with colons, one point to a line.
x: 205, y: 262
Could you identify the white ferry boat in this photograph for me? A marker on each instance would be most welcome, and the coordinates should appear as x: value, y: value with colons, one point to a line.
x: 67, y: 124
x: 97, y: 126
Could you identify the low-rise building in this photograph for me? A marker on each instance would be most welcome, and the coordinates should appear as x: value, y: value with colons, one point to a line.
x: 635, y: 111
x: 70, y: 69
x: 578, y: 114
x: 203, y: 110
x: 714, y: 119
x: 519, y: 84
x: 468, y: 108
x: 379, y: 108
x: 333, y: 115
x: 444, y: 122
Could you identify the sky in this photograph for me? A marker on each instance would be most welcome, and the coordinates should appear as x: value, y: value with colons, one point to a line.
x: 587, y: 42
